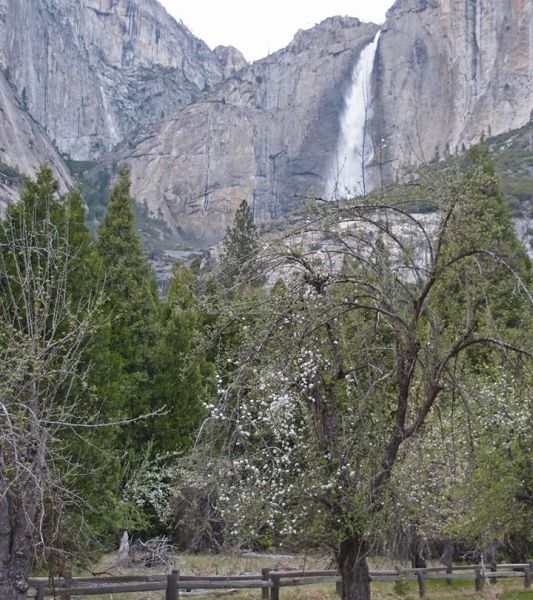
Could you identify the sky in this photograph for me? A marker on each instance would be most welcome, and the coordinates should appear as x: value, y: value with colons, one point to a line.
x: 258, y: 28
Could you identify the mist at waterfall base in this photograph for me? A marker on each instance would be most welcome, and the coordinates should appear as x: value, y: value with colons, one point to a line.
x: 354, y: 148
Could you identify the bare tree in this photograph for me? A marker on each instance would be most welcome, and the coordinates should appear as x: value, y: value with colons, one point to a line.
x: 42, y: 338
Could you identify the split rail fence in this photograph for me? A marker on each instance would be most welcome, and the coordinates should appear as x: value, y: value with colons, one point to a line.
x: 270, y: 582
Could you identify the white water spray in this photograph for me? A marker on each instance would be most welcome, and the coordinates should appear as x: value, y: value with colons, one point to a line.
x: 354, y: 148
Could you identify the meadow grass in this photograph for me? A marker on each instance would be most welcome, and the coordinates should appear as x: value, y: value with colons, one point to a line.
x: 212, y: 564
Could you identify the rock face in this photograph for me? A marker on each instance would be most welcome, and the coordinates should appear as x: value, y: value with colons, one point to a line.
x: 202, y: 130
x: 262, y: 135
x: 448, y: 72
x: 24, y: 146
x: 91, y: 70
x: 231, y: 59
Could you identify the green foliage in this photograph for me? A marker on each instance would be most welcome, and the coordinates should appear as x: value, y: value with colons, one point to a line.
x: 9, y: 172
x: 50, y: 293
x: 146, y: 360
x: 94, y: 186
x: 353, y: 358
x: 185, y: 378
x: 513, y: 157
x: 487, y: 292
x: 241, y: 247
x: 495, y: 494
x: 126, y: 366
x: 401, y: 587
x: 79, y: 168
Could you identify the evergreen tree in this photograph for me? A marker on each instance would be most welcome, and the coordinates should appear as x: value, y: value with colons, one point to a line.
x: 185, y: 376
x: 99, y: 449
x: 131, y: 306
x: 87, y: 271
x: 241, y: 247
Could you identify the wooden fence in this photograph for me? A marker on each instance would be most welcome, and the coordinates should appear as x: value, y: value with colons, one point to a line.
x: 269, y: 581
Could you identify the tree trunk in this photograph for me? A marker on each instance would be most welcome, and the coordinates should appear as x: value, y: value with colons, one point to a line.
x: 351, y: 561
x: 517, y: 547
x: 16, y: 551
x: 416, y: 549
x: 19, y: 512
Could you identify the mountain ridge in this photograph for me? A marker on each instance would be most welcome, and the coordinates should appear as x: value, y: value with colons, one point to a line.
x: 106, y: 82
x: 260, y: 135
x: 89, y: 72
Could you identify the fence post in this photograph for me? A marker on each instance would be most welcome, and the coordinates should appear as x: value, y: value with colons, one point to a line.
x: 449, y: 571
x: 274, y: 593
x: 421, y: 585
x: 493, y: 569
x: 40, y: 590
x: 479, y: 580
x: 527, y: 577
x: 338, y: 587
x: 265, y: 576
x: 67, y: 582
x: 172, y: 592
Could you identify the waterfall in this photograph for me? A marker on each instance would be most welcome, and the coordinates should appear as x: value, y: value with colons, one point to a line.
x: 354, y: 148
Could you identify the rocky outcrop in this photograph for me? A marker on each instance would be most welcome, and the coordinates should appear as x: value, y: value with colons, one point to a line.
x: 24, y: 146
x: 448, y: 72
x: 262, y: 135
x: 231, y: 59
x: 91, y: 70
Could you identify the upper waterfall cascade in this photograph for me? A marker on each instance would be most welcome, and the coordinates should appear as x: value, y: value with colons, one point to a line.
x: 354, y: 149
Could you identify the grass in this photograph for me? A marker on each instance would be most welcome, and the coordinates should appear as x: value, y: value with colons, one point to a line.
x: 207, y: 564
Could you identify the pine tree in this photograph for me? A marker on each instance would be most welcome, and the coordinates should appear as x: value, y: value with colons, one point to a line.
x: 185, y: 376
x: 86, y: 273
x: 131, y: 306
x: 241, y: 247
x: 495, y: 228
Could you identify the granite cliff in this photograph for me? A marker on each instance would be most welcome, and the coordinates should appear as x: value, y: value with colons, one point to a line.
x: 445, y: 74
x: 448, y: 72
x: 261, y: 135
x: 118, y: 81
x: 24, y: 146
x: 89, y: 71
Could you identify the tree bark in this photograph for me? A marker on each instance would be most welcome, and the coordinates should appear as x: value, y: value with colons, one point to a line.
x: 16, y: 543
x: 517, y: 547
x: 416, y: 549
x: 20, y: 506
x: 352, y: 565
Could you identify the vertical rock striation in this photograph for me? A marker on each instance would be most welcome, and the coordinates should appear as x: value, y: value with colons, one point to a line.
x: 89, y: 71
x: 449, y: 72
x: 266, y: 135
x: 24, y: 146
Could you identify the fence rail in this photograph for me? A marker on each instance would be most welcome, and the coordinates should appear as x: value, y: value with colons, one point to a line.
x: 269, y: 581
